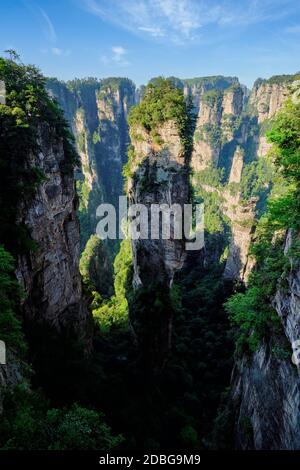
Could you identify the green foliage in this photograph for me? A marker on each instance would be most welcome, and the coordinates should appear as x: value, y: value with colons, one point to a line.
x: 212, y: 133
x: 285, y: 136
x: 95, y: 266
x: 256, y: 178
x: 81, y: 142
x: 28, y: 107
x: 214, y: 219
x: 212, y: 98
x: 162, y: 101
x: 80, y: 429
x: 10, y: 293
x: 217, y: 81
x: 251, y: 311
x: 28, y: 423
x: 277, y: 80
x: 113, y: 313
x: 96, y: 138
x: 211, y: 176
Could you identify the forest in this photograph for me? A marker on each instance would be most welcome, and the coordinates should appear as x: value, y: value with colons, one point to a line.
x: 136, y: 349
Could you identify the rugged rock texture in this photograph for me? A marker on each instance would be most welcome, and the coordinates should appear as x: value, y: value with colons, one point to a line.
x: 97, y: 112
x: 267, y: 97
x: 218, y: 111
x: 159, y: 176
x: 265, y: 388
x: 196, y: 87
x: 229, y: 134
x: 50, y: 274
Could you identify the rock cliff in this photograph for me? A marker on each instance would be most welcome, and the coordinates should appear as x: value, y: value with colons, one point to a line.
x: 158, y: 173
x: 50, y: 274
x: 97, y: 111
x: 265, y: 386
x: 230, y: 136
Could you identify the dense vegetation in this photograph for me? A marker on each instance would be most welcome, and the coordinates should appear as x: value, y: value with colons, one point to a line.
x: 29, y: 420
x: 173, y: 406
x: 163, y: 102
x: 252, y: 311
x: 27, y: 107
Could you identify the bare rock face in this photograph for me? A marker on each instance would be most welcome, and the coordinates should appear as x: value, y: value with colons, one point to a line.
x: 237, y: 166
x: 97, y: 113
x: 217, y: 113
x: 229, y: 134
x: 160, y: 177
x: 267, y: 98
x: 50, y: 274
x: 265, y: 387
x: 241, y: 215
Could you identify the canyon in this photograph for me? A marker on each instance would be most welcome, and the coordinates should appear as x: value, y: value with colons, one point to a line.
x: 217, y: 153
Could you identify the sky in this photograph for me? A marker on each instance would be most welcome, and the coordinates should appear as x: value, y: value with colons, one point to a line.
x: 140, y: 39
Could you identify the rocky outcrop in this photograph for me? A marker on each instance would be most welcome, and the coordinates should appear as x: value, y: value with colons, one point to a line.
x: 218, y: 111
x: 267, y: 97
x: 196, y: 87
x: 230, y: 134
x: 158, y: 172
x: 50, y: 274
x: 265, y: 387
x: 97, y: 112
x: 160, y: 177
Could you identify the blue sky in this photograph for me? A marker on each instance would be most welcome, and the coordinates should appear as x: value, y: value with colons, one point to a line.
x: 140, y: 39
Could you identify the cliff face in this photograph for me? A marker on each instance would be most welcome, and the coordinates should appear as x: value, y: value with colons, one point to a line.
x: 265, y: 387
x: 158, y: 173
x: 217, y: 114
x: 160, y: 177
x: 97, y: 112
x: 230, y: 136
x: 39, y: 235
x: 50, y: 274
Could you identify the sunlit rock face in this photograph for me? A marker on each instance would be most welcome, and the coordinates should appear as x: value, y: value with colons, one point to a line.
x: 97, y: 112
x: 230, y: 134
x: 50, y: 273
x: 160, y: 177
x: 265, y: 387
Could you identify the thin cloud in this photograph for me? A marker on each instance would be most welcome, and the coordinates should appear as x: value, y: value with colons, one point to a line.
x: 155, y: 32
x: 293, y: 29
x: 117, y: 57
x: 50, y: 30
x: 184, y: 21
x: 60, y: 52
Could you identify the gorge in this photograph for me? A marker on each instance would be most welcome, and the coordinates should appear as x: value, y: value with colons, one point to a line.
x: 178, y: 349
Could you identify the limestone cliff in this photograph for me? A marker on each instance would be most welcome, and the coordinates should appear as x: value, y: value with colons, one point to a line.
x: 50, y: 274
x: 230, y: 136
x: 215, y: 125
x: 44, y: 312
x: 97, y: 112
x: 160, y: 177
x: 265, y: 387
x: 158, y: 173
